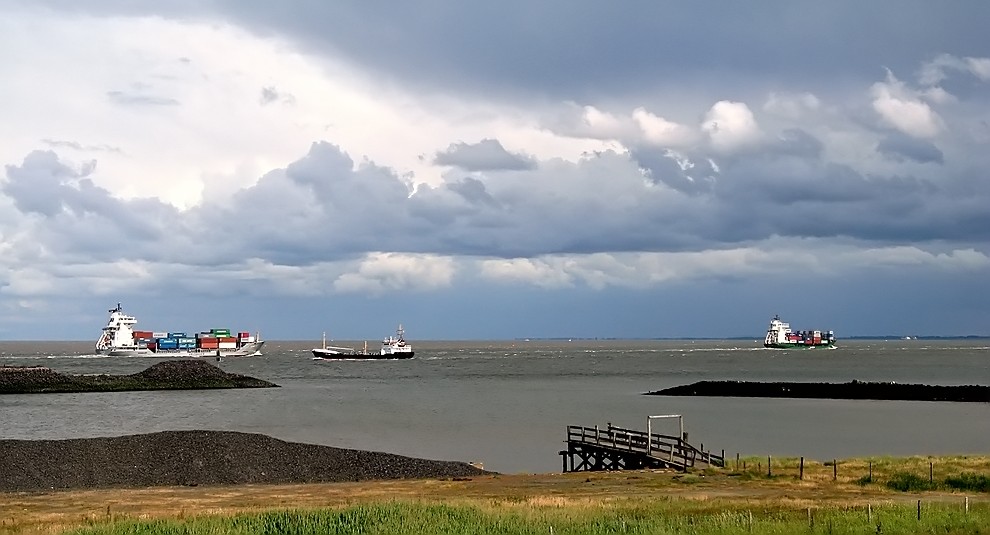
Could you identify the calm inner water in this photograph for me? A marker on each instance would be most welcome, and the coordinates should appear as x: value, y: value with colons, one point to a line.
x: 507, y: 403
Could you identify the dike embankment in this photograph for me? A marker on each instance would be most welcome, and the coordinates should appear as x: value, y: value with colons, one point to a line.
x: 851, y: 390
x: 168, y: 375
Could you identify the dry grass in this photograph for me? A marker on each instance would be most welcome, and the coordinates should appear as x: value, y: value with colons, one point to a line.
x: 57, y: 511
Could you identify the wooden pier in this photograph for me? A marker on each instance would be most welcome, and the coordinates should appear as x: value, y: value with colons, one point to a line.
x: 617, y: 448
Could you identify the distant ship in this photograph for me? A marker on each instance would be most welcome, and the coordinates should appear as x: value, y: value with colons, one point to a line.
x: 393, y: 347
x: 780, y: 336
x: 119, y: 339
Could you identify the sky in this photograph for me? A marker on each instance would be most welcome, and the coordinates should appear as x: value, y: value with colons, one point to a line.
x: 494, y: 170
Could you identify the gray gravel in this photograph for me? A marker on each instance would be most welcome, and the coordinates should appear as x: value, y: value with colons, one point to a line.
x: 192, y: 458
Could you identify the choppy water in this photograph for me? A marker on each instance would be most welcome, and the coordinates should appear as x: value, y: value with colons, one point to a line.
x: 507, y: 403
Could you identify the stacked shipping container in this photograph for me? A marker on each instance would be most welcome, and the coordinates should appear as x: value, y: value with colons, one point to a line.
x: 212, y: 339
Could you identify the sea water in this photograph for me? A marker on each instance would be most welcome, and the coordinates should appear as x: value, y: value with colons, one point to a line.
x: 506, y: 404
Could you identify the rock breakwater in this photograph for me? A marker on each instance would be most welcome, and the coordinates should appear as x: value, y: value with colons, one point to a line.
x: 850, y: 390
x: 168, y: 375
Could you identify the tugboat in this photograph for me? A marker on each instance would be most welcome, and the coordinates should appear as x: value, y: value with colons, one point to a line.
x: 119, y: 339
x: 780, y: 336
x: 393, y: 347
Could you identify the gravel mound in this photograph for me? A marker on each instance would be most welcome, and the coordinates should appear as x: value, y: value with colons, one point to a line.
x: 193, y: 458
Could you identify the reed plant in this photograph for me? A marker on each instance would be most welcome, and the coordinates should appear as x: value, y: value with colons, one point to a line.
x: 677, y: 516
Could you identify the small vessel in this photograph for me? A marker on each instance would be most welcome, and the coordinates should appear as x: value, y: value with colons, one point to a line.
x: 393, y: 347
x: 780, y: 336
x: 119, y: 339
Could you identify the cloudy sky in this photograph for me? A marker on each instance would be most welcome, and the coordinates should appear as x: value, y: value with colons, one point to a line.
x: 494, y: 170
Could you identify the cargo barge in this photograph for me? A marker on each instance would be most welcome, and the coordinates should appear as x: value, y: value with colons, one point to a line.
x: 119, y: 339
x: 393, y: 347
x: 780, y: 336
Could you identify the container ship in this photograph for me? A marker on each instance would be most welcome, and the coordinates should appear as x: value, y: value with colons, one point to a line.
x: 780, y: 336
x: 119, y: 339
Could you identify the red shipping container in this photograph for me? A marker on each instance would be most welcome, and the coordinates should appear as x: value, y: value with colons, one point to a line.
x: 227, y: 339
x: 243, y: 335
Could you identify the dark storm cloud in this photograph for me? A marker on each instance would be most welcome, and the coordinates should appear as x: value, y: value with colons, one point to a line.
x: 584, y: 49
x: 322, y: 208
x: 137, y: 99
x: 485, y: 155
x: 797, y: 142
x: 82, y: 218
x: 663, y: 168
x: 900, y: 147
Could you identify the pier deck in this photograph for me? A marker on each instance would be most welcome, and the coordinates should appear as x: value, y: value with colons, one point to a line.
x: 617, y: 448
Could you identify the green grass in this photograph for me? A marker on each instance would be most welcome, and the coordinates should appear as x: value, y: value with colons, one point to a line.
x: 657, y: 517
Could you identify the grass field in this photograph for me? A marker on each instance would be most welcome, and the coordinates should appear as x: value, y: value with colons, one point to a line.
x: 953, y: 494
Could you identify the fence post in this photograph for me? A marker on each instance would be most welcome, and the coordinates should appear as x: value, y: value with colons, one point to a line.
x: 737, y: 461
x: 931, y: 472
x: 835, y: 470
x: 919, y: 509
x: 871, y: 472
x: 967, y: 505
x: 801, y: 471
x: 869, y: 513
x: 769, y: 469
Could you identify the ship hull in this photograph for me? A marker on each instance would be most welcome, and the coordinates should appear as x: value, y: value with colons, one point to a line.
x: 246, y: 350
x: 823, y: 345
x: 331, y: 355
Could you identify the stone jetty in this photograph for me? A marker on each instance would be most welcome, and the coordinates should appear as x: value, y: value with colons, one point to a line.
x: 851, y: 390
x: 168, y: 375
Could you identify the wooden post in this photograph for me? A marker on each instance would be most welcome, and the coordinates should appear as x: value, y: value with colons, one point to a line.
x: 835, y: 470
x: 801, y: 470
x: 966, y: 510
x: 737, y: 461
x: 871, y: 472
x: 931, y: 472
x: 811, y: 522
x: 769, y: 469
x: 869, y: 513
x: 919, y: 509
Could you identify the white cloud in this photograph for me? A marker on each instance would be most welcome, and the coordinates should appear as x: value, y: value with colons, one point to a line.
x: 934, y: 72
x: 659, y: 131
x: 543, y: 273
x: 381, y: 273
x: 901, y: 108
x: 731, y: 126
